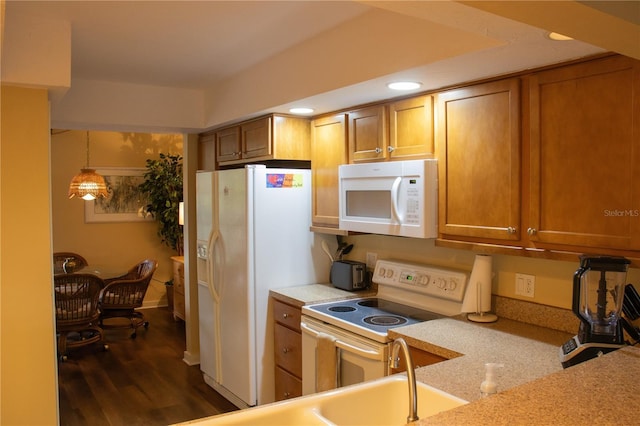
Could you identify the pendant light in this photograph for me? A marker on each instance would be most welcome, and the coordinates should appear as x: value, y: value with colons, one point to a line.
x: 88, y: 184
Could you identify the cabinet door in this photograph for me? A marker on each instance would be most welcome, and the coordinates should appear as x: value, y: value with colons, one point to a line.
x: 207, y: 151
x: 585, y: 155
x: 420, y: 358
x: 178, y: 287
x: 228, y: 144
x: 328, y: 151
x: 256, y: 138
x: 478, y: 141
x: 368, y: 139
x: 411, y: 128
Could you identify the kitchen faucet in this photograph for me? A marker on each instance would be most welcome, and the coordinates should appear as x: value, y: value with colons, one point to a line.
x: 411, y: 376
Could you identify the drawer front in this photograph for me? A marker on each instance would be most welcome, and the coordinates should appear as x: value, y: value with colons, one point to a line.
x: 178, y: 276
x: 287, y: 315
x: 288, y: 349
x: 287, y: 386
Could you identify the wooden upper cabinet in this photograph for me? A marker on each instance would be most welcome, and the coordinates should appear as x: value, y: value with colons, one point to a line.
x: 207, y: 151
x: 411, y: 128
x: 401, y: 130
x: 228, y: 144
x: 368, y: 135
x: 328, y: 151
x: 256, y: 138
x: 478, y: 140
x: 585, y: 155
x: 273, y: 137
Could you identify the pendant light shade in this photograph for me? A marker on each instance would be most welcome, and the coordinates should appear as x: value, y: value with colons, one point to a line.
x: 88, y: 184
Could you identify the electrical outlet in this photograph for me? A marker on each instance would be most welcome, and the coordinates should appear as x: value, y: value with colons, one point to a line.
x: 525, y: 285
x: 371, y: 260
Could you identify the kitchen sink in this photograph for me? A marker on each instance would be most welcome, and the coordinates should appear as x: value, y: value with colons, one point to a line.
x: 384, y: 402
x: 378, y: 402
x: 268, y: 415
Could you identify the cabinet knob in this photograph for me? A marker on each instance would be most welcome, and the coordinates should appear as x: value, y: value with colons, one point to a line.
x: 532, y: 231
x: 285, y: 316
x: 286, y: 350
x: 287, y: 394
x: 511, y: 230
x: 378, y: 150
x: 390, y: 149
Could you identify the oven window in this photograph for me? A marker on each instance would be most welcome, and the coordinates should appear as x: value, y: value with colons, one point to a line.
x: 375, y: 204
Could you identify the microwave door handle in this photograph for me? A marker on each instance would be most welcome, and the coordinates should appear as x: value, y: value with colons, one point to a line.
x: 395, y: 190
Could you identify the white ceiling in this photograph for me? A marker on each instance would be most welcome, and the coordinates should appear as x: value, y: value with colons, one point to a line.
x: 208, y: 45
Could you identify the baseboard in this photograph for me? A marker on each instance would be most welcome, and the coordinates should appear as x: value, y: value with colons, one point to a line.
x: 191, y: 359
x: 153, y: 304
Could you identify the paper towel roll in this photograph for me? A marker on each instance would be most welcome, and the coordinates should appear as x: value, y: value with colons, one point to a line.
x: 477, y: 298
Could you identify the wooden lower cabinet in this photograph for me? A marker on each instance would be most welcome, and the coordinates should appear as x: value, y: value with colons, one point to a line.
x: 419, y: 357
x: 287, y: 385
x: 288, y: 350
x: 178, y: 287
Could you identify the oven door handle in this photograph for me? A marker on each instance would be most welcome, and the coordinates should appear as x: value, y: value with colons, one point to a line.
x: 369, y: 354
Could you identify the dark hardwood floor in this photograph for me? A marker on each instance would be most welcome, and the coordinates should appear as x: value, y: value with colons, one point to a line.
x: 141, y: 381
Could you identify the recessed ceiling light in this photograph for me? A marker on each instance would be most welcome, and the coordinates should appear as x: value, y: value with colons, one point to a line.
x: 301, y: 110
x: 404, y: 85
x: 559, y: 37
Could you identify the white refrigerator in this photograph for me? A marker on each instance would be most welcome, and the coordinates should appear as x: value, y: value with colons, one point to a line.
x: 253, y: 235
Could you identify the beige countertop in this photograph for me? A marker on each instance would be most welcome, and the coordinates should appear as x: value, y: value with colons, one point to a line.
x: 602, y: 391
x: 533, y: 388
x: 315, y: 293
x: 527, y: 353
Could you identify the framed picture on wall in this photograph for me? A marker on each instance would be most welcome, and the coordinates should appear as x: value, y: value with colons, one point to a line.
x: 125, y: 202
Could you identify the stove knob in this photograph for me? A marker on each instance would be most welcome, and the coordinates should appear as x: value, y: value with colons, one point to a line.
x: 381, y: 271
x: 442, y: 283
x: 423, y: 280
x: 389, y: 273
x: 453, y: 283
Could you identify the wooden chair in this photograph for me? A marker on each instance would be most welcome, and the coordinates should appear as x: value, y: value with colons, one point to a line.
x: 144, y: 268
x: 121, y: 297
x: 77, y: 315
x: 59, y: 258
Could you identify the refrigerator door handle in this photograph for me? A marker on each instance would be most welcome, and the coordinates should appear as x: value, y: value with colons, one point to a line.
x: 213, y: 239
x: 215, y: 295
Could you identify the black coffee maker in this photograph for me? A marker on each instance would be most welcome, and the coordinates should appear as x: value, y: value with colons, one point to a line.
x: 598, y: 294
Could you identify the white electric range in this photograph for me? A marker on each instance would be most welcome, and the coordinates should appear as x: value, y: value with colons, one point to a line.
x: 408, y: 293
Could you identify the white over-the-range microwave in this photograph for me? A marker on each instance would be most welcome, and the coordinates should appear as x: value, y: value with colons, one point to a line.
x: 391, y: 198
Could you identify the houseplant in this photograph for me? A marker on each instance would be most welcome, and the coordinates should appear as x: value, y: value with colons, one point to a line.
x: 163, y: 187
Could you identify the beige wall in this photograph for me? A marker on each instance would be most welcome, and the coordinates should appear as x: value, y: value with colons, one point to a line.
x: 28, y: 387
x: 554, y: 279
x: 115, y: 244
